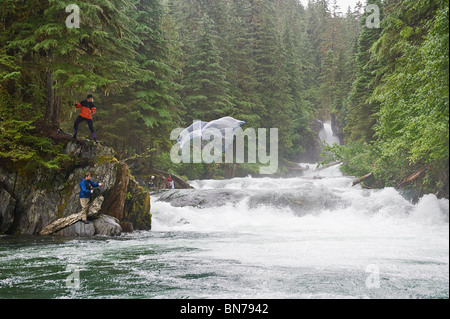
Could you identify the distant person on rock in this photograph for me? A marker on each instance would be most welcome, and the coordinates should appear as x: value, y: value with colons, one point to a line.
x: 87, y: 190
x: 151, y: 184
x: 170, y: 183
x: 87, y: 110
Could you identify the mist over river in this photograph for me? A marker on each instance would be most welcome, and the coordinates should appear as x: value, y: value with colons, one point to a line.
x: 314, y: 236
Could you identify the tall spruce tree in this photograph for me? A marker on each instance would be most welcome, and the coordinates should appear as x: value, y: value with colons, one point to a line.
x: 143, y: 114
x: 206, y: 89
x: 241, y: 71
x: 48, y: 65
x: 360, y: 116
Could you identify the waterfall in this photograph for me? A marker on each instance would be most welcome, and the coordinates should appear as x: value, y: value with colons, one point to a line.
x: 326, y: 135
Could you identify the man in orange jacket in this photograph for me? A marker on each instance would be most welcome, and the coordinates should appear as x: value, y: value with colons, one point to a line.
x: 87, y: 110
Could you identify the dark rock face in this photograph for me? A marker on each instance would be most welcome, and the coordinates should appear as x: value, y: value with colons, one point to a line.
x: 312, y: 144
x: 8, y: 204
x: 134, y: 207
x: 28, y: 203
x: 115, y: 200
x: 203, y: 198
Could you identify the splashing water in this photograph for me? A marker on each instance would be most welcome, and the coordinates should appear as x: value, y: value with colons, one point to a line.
x: 326, y: 135
x: 250, y: 238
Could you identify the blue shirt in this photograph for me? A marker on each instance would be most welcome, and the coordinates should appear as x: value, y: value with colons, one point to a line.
x: 86, y: 186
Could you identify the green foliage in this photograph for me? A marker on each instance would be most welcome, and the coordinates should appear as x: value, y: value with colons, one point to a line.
x: 156, y: 65
x: 399, y: 101
x: 414, y: 113
x: 143, y: 114
x: 360, y: 112
x: 206, y: 89
x: 22, y: 148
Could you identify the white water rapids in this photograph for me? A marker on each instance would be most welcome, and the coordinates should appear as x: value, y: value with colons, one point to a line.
x: 366, y: 243
x: 313, y: 236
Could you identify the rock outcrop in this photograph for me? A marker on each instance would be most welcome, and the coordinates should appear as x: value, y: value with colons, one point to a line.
x: 311, y: 143
x: 29, y: 202
x: 8, y: 204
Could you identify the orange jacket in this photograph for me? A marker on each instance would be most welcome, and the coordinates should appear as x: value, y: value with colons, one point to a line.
x: 87, y: 109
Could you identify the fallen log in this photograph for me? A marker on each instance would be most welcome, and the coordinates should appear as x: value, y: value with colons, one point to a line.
x: 64, y: 222
x: 60, y: 224
x: 328, y: 165
x: 176, y: 178
x: 361, y: 179
x: 413, y: 177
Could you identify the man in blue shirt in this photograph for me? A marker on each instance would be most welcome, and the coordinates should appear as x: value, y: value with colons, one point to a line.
x: 86, y: 186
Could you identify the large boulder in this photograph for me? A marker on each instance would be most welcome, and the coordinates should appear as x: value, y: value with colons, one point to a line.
x: 107, y: 226
x: 65, y: 222
x: 311, y: 143
x: 79, y: 229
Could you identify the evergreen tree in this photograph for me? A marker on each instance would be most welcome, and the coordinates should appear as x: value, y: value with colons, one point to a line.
x: 47, y: 65
x: 143, y: 115
x: 205, y: 92
x: 408, y: 79
x: 241, y: 71
x: 360, y: 110
x: 413, y: 93
x: 272, y: 77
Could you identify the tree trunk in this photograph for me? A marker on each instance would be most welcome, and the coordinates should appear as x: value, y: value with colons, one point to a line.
x: 60, y: 224
x: 49, y: 111
x: 56, y: 118
x: 328, y: 165
x: 94, y: 208
x: 361, y: 179
x: 413, y: 177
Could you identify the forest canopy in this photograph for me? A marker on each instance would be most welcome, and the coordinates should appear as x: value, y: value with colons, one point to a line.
x: 156, y: 65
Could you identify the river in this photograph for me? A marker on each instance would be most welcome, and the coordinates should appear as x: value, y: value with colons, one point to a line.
x: 313, y: 236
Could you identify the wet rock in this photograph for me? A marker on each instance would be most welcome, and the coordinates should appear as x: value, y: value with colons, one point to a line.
x: 117, y: 194
x: 79, y: 229
x: 136, y: 210
x: 127, y: 227
x: 63, y: 222
x: 202, y: 198
x: 301, y: 200
x: 7, y: 207
x: 311, y: 143
x: 107, y: 226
